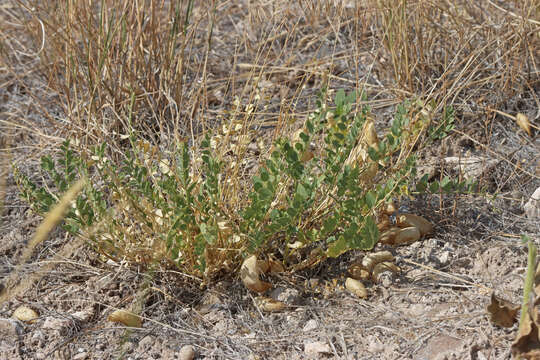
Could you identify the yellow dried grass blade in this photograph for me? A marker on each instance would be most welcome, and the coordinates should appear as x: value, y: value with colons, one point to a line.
x: 51, y: 220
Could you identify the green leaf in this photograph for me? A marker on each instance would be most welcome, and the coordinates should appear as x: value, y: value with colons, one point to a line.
x: 370, y: 234
x: 309, y: 126
x: 337, y: 247
x: 340, y: 97
x: 371, y: 200
x: 257, y: 186
x: 421, y: 186
x: 302, y: 192
x: 373, y: 154
x: 209, y: 233
x: 330, y: 225
x: 47, y: 163
x: 264, y: 175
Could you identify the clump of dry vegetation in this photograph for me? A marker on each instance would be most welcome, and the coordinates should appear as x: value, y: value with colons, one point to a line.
x: 213, y: 130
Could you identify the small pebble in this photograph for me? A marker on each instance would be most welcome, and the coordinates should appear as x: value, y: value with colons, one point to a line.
x: 532, y: 207
x: 186, y: 353
x: 10, y: 328
x: 444, y: 258
x: 316, y: 347
x: 310, y: 325
x: 81, y: 356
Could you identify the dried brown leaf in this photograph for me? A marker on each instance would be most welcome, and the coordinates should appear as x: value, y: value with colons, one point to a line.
x: 502, y: 313
x: 527, y: 343
x: 275, y: 266
x: 383, y: 268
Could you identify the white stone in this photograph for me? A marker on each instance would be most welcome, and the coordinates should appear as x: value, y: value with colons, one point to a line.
x: 187, y: 352
x: 81, y: 356
x: 444, y: 258
x: 58, y: 325
x: 472, y: 167
x: 316, y: 347
x: 532, y: 207
x: 10, y: 328
x: 288, y: 296
x: 83, y: 315
x: 310, y: 325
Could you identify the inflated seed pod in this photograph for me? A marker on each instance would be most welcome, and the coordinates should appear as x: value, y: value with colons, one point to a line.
x: 358, y: 272
x: 388, y: 235
x: 125, y: 317
x: 356, y: 287
x: 24, y: 313
x: 407, y: 235
x: 369, y: 261
x: 370, y: 137
x: 408, y: 220
x: 268, y: 304
x: 250, y: 272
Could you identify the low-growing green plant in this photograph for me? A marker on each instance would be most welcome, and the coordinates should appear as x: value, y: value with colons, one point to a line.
x: 323, y: 189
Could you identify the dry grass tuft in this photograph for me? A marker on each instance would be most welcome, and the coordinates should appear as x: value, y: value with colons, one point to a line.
x: 459, y: 52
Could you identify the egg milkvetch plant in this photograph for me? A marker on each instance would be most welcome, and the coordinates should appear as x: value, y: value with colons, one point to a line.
x: 169, y: 208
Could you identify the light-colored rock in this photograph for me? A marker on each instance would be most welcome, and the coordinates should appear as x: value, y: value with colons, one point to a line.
x: 441, y: 347
x: 81, y: 356
x: 10, y: 328
x: 40, y: 355
x: 167, y: 353
x: 472, y: 167
x: 187, y: 352
x: 374, y: 345
x: 146, y: 343
x: 84, y: 315
x: 58, y: 325
x: 310, y: 325
x: 316, y: 347
x: 532, y: 207
x: 444, y: 257
x: 288, y: 296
